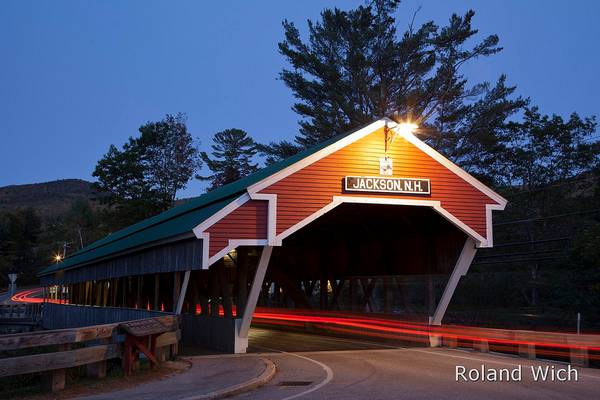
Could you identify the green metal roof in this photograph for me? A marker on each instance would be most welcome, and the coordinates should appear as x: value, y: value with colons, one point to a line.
x: 178, y: 220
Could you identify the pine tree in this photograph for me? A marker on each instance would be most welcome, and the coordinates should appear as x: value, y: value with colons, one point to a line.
x: 276, y: 151
x: 356, y: 67
x: 232, y: 154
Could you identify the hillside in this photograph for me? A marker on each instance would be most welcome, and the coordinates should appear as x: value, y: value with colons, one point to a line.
x: 48, y: 198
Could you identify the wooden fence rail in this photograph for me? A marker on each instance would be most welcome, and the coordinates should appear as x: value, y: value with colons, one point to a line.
x: 95, y: 345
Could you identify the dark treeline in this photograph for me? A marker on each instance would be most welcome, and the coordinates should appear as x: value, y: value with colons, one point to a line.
x: 347, y: 69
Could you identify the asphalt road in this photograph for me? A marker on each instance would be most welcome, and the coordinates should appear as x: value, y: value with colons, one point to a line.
x: 319, y: 367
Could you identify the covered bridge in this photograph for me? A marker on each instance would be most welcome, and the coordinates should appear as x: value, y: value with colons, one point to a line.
x: 343, y: 225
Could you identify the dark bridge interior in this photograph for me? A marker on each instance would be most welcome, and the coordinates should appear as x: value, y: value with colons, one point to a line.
x: 365, y: 258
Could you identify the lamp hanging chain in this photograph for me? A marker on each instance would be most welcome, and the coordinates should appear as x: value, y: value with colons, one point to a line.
x: 386, y: 133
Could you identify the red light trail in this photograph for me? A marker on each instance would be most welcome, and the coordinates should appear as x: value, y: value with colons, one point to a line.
x: 546, y: 343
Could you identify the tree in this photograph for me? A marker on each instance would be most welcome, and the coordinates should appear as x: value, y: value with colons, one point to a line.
x: 545, y: 149
x: 151, y: 168
x: 276, y: 151
x: 232, y: 153
x: 170, y: 157
x: 19, y: 234
x: 82, y: 223
x: 355, y: 68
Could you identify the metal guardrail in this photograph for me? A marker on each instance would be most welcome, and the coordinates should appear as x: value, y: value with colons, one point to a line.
x: 579, y: 348
x: 529, y: 344
x: 100, y: 343
x: 20, y: 312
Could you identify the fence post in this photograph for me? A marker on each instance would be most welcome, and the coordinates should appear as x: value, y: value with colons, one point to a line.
x: 578, y: 355
x: 97, y: 369
x: 482, y: 346
x: 450, y: 341
x: 527, y: 350
x: 55, y: 380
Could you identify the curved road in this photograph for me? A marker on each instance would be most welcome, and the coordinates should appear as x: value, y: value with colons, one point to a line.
x: 318, y: 367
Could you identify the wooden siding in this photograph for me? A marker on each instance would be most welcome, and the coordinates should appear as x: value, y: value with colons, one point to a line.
x: 249, y: 221
x: 171, y: 257
x: 308, y: 190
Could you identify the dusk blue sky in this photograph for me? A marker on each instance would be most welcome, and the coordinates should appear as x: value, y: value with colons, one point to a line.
x: 76, y: 76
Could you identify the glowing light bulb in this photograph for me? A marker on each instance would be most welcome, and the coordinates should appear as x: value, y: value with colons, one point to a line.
x: 406, y: 127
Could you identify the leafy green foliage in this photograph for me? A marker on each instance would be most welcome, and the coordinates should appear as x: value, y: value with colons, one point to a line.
x: 545, y: 149
x: 146, y: 174
x: 232, y: 153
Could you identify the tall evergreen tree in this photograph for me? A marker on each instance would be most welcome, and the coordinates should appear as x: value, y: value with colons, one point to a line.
x: 355, y: 67
x: 232, y: 153
x: 276, y: 151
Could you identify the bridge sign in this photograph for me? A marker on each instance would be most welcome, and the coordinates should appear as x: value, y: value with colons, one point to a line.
x: 387, y: 185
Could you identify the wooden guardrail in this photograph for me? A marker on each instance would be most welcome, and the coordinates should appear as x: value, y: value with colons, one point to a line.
x: 576, y: 347
x: 94, y: 346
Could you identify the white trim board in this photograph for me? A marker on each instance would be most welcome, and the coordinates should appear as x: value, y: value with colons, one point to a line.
x: 201, y: 233
x: 340, y: 144
x: 271, y: 215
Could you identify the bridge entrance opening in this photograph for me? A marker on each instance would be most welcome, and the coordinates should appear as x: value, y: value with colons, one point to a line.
x: 365, y: 258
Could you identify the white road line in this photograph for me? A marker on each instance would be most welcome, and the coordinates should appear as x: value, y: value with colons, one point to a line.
x: 494, y: 359
x: 324, y: 382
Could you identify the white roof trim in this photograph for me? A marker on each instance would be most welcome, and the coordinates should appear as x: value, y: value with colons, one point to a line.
x: 268, y: 181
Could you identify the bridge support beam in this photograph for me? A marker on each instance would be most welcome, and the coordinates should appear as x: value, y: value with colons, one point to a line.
x: 463, y: 263
x: 182, y: 292
x: 242, y: 325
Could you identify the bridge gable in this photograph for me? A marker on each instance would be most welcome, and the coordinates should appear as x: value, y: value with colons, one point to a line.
x: 286, y: 201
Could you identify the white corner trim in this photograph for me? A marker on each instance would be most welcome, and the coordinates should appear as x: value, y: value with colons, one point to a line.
x: 479, y: 240
x: 268, y: 181
x: 271, y: 215
x: 489, y: 225
x: 436, y: 205
x: 205, y: 236
x: 201, y: 233
x: 199, y: 229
